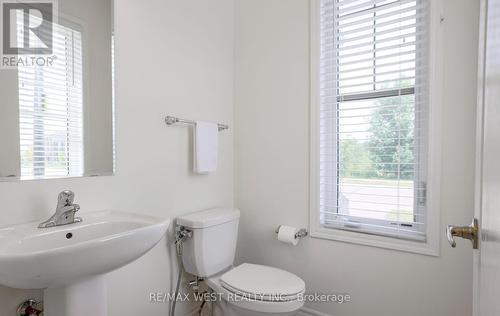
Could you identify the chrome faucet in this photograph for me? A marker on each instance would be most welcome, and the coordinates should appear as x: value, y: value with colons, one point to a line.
x: 65, y: 211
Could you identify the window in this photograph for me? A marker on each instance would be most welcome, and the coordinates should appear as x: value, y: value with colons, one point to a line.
x: 51, y: 110
x: 371, y: 127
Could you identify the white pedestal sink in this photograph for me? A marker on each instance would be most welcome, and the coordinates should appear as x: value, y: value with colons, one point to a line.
x: 70, y: 262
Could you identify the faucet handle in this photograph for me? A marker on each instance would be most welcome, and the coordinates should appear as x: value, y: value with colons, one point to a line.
x: 76, y: 208
x: 73, y: 208
x: 67, y: 215
x: 76, y: 219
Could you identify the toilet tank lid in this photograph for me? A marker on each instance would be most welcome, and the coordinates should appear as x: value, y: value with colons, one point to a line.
x: 207, y: 218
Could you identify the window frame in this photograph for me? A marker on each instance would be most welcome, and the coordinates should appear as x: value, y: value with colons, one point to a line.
x: 429, y: 246
x: 81, y: 26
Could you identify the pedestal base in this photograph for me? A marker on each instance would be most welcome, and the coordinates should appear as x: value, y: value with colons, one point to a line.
x: 84, y: 298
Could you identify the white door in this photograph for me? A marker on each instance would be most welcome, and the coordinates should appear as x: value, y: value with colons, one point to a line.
x: 487, y: 257
x: 486, y: 226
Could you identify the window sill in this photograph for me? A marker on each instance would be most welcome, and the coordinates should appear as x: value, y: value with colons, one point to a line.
x: 417, y: 247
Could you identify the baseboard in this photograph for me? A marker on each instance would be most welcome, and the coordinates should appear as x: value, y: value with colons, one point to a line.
x: 304, y: 311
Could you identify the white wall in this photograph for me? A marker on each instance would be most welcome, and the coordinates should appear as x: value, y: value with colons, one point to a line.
x: 9, y: 124
x: 172, y: 57
x: 272, y: 141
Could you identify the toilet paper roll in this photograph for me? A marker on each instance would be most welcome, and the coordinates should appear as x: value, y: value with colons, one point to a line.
x: 286, y: 234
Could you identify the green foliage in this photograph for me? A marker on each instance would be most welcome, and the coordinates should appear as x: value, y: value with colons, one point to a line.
x: 388, y: 154
x: 355, y: 160
x: 392, y: 138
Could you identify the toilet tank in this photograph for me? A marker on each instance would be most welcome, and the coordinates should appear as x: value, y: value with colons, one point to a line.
x: 212, y: 247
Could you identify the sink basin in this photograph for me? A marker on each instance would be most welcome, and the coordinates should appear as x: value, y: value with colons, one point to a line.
x: 37, y: 258
x: 65, y: 257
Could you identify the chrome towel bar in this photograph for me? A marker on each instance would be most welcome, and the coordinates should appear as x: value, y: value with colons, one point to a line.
x: 171, y: 120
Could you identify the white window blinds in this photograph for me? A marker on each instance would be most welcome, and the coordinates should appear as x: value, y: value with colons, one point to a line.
x: 373, y: 116
x: 51, y: 110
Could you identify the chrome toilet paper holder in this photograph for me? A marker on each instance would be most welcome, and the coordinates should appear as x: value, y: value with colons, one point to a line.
x: 300, y: 234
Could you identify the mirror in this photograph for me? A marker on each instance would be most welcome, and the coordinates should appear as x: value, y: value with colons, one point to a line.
x: 56, y: 89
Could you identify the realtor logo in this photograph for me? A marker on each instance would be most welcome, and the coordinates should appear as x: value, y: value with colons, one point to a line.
x: 27, y: 27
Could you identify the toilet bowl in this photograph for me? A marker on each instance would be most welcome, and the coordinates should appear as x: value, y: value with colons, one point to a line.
x: 245, y: 290
x: 253, y: 290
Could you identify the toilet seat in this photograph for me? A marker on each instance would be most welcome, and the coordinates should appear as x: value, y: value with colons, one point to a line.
x: 259, y: 288
x: 263, y: 283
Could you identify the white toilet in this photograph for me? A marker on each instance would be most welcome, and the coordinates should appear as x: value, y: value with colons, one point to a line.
x: 245, y: 290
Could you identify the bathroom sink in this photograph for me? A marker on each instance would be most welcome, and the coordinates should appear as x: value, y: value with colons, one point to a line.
x: 39, y: 258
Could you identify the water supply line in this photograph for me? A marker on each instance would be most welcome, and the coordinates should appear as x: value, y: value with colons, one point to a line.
x: 30, y: 308
x: 181, y: 234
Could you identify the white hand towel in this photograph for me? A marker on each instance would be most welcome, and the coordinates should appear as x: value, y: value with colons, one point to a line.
x: 206, y: 145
